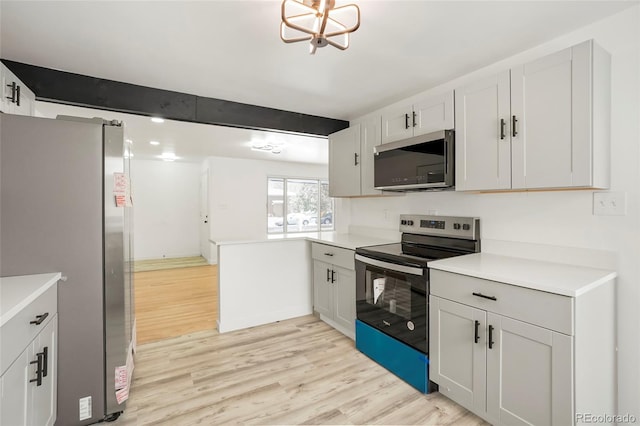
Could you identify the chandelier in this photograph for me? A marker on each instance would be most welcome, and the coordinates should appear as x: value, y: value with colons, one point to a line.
x: 319, y: 22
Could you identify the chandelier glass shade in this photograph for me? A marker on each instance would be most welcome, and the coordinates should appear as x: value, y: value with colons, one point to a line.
x: 319, y: 22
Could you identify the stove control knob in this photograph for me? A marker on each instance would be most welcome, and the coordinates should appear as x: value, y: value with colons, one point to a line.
x: 466, y: 227
x: 403, y: 222
x: 410, y: 222
x: 456, y: 226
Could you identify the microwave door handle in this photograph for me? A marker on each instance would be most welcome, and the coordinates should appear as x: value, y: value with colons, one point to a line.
x: 446, y: 158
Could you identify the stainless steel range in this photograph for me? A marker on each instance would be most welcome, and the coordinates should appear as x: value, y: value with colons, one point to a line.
x: 392, y: 291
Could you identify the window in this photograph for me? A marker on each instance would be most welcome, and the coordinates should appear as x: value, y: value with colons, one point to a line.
x: 305, y: 203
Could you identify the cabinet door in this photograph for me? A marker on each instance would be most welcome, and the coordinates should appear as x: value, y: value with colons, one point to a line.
x: 398, y: 123
x: 541, y: 102
x: 344, y: 162
x: 433, y: 114
x: 483, y: 149
x: 529, y: 374
x: 322, y: 289
x: 26, y: 96
x: 345, y: 298
x: 44, y: 400
x: 14, y: 386
x: 369, y: 137
x: 457, y: 359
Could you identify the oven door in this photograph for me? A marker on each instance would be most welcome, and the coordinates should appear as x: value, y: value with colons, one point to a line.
x: 393, y: 299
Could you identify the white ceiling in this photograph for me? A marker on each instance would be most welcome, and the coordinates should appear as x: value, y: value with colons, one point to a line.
x: 232, y: 50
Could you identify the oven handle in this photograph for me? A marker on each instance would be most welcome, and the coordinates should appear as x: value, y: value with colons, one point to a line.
x: 390, y: 266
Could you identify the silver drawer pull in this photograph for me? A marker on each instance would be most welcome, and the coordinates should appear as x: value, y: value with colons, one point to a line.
x: 328, y: 254
x: 485, y: 297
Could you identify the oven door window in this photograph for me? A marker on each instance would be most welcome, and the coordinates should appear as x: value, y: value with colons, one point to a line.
x: 393, y: 302
x: 389, y: 292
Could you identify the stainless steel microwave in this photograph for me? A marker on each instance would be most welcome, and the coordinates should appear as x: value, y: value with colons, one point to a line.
x: 420, y: 162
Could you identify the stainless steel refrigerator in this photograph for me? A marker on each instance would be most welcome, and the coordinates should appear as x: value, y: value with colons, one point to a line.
x: 62, y: 209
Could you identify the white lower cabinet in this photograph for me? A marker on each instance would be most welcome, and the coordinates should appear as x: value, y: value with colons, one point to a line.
x: 529, y: 378
x: 44, y: 395
x: 14, y: 385
x: 29, y: 386
x: 28, y: 381
x: 531, y: 369
x: 334, y: 287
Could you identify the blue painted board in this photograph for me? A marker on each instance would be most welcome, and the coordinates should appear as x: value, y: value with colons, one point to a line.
x: 402, y: 360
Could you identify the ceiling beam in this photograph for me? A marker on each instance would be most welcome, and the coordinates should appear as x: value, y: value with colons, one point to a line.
x: 81, y: 90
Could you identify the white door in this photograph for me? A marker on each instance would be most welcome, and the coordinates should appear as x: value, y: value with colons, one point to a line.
x: 398, y: 123
x: 322, y: 289
x: 205, y: 246
x: 529, y: 374
x: 344, y: 162
x: 541, y: 102
x: 369, y: 138
x: 457, y: 352
x: 344, y: 288
x: 44, y: 402
x: 434, y: 113
x: 483, y: 146
x: 14, y: 390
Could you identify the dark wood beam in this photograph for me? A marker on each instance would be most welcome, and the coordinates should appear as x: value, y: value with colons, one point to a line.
x: 81, y: 90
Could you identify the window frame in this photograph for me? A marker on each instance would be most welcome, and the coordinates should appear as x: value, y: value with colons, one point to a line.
x: 285, y: 206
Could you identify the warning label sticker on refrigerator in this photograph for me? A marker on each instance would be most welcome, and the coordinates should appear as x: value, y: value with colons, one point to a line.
x: 122, y: 377
x: 122, y: 395
x: 122, y: 190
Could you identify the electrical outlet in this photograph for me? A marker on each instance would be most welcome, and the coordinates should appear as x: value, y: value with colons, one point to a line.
x: 609, y: 203
x: 85, y: 408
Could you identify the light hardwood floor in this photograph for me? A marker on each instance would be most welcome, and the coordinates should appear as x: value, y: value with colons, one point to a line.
x: 168, y: 263
x: 175, y: 302
x: 299, y: 371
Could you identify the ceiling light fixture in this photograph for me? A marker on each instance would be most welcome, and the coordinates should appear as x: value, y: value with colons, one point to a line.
x: 157, y: 119
x: 319, y: 22
x: 274, y: 149
x: 168, y: 156
x: 154, y: 142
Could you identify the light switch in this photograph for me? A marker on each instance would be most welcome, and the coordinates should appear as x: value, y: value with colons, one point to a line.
x: 609, y: 203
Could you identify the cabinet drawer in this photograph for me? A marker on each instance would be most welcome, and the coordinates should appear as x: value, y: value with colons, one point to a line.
x: 548, y: 310
x: 334, y: 255
x: 17, y: 333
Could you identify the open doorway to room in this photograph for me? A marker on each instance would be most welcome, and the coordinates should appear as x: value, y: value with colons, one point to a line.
x: 175, y: 218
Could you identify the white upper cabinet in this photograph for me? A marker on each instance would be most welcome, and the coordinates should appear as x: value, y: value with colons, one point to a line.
x: 483, y: 147
x: 344, y: 170
x: 544, y: 124
x: 351, y: 159
x: 425, y: 116
x: 16, y: 97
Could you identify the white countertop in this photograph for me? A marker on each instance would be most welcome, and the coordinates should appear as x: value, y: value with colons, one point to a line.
x: 348, y: 241
x: 17, y: 292
x: 557, y: 278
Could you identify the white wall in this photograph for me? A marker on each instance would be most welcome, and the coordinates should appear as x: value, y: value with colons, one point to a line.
x: 564, y: 218
x: 263, y: 282
x: 166, y: 210
x: 238, y: 195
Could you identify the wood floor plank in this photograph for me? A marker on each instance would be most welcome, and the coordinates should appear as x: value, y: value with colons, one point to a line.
x: 168, y: 263
x: 175, y: 302
x: 299, y: 371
